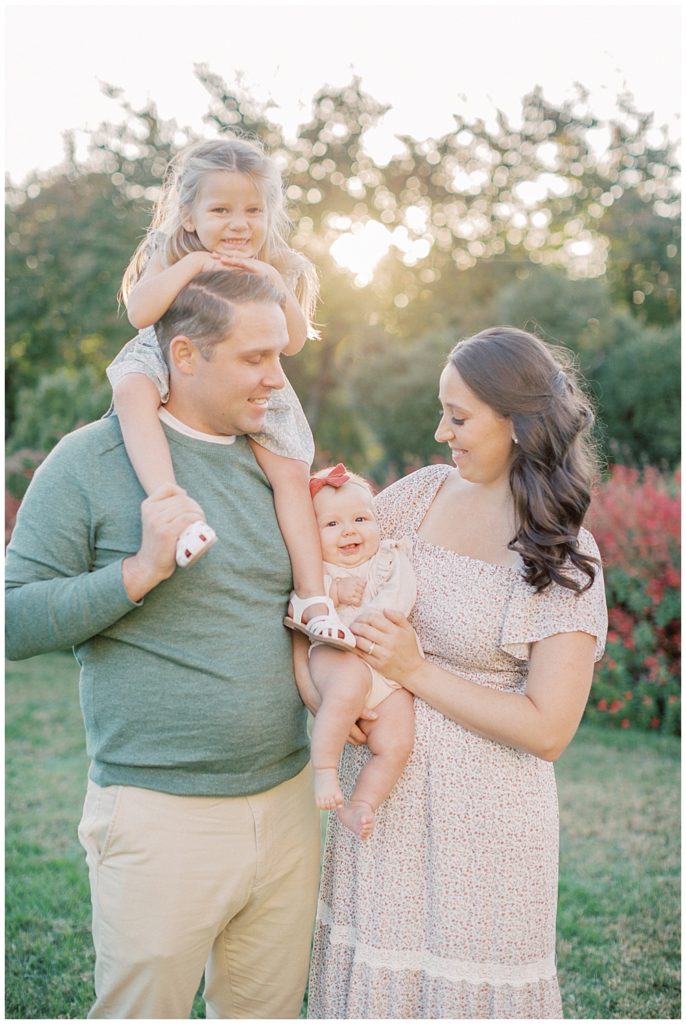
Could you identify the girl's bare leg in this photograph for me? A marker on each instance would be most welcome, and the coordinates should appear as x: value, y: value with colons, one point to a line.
x: 390, y: 737
x: 137, y: 403
x: 294, y: 510
x: 343, y: 681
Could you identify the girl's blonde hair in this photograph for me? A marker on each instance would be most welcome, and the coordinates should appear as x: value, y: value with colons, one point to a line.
x: 171, y: 241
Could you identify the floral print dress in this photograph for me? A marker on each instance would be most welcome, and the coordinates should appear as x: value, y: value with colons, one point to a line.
x: 448, y: 910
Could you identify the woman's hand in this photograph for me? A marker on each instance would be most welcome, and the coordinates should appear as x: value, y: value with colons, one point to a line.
x: 389, y: 644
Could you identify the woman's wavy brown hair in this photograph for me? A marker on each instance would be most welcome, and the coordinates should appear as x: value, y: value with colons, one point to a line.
x: 553, y: 465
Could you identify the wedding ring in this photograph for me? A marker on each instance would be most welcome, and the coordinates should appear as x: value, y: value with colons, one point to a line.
x: 371, y: 647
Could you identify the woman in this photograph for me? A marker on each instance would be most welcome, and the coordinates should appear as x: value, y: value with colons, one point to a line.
x: 448, y: 910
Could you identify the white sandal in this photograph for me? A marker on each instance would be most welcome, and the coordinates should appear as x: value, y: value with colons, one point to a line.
x: 323, y: 629
x: 195, y: 540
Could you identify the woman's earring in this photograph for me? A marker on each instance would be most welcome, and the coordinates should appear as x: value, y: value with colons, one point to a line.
x: 515, y: 439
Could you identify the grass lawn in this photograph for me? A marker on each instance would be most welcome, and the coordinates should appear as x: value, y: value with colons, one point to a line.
x: 618, y: 935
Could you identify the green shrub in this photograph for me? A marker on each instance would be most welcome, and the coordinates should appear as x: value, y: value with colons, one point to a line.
x: 397, y: 397
x: 62, y: 401
x: 636, y: 381
x: 553, y: 306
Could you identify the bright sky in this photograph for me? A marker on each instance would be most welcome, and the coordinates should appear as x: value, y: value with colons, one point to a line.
x: 428, y: 61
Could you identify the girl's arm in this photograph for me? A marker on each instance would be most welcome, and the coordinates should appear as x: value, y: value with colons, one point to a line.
x: 136, y: 403
x: 295, y: 322
x: 158, y: 286
x: 541, y: 721
x: 295, y: 318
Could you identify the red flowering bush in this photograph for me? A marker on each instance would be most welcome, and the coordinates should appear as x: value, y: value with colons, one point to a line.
x: 635, y: 517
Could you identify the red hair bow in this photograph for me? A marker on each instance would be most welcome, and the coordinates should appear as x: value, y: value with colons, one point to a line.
x: 336, y: 477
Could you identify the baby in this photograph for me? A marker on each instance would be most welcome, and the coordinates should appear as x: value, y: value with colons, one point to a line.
x: 361, y: 572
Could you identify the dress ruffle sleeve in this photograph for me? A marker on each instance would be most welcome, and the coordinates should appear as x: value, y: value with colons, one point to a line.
x: 531, y: 616
x: 391, y: 582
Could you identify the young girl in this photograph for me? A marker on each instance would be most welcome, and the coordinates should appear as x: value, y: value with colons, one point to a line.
x: 362, y: 573
x: 222, y: 207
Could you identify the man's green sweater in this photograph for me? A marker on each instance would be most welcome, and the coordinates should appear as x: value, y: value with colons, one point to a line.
x: 191, y: 691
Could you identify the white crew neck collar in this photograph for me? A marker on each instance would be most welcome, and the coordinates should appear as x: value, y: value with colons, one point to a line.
x: 183, y: 428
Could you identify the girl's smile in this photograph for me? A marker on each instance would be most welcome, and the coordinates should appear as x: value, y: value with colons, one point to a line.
x: 228, y: 214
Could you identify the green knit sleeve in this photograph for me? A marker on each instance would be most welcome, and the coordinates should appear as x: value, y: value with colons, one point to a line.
x: 54, y: 597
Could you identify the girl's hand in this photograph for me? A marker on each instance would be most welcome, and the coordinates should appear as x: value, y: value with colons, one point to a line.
x: 295, y: 319
x: 349, y: 591
x: 252, y: 265
x: 204, y: 262
x: 393, y: 643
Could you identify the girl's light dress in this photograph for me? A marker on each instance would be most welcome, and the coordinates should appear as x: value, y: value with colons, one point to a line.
x: 286, y: 430
x: 448, y: 909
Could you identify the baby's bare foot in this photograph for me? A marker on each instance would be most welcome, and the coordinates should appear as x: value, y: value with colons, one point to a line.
x: 327, y: 792
x: 358, y: 817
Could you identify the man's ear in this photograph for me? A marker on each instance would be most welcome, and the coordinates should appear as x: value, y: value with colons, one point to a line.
x: 182, y: 353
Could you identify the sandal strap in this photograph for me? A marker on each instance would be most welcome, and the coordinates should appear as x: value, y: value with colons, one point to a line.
x: 331, y: 625
x: 301, y: 604
x: 325, y: 627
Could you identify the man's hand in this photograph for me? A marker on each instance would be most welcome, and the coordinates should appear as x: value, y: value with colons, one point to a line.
x: 165, y: 515
x: 357, y: 735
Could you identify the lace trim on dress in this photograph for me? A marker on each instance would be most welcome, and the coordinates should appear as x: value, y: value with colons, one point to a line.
x: 471, y: 972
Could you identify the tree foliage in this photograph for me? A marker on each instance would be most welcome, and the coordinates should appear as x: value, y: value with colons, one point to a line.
x: 68, y: 240
x: 636, y: 380
x: 529, y: 222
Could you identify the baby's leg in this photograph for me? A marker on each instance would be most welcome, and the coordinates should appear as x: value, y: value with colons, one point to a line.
x: 390, y: 737
x: 343, y: 682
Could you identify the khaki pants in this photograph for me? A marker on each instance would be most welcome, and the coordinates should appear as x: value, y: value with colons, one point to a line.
x: 184, y: 884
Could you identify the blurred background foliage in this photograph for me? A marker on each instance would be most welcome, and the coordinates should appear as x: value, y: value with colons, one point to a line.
x: 560, y: 224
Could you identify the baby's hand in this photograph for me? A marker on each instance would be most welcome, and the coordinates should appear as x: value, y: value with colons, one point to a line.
x: 350, y: 591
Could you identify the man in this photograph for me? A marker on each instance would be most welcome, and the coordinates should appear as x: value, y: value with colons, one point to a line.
x: 199, y: 825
